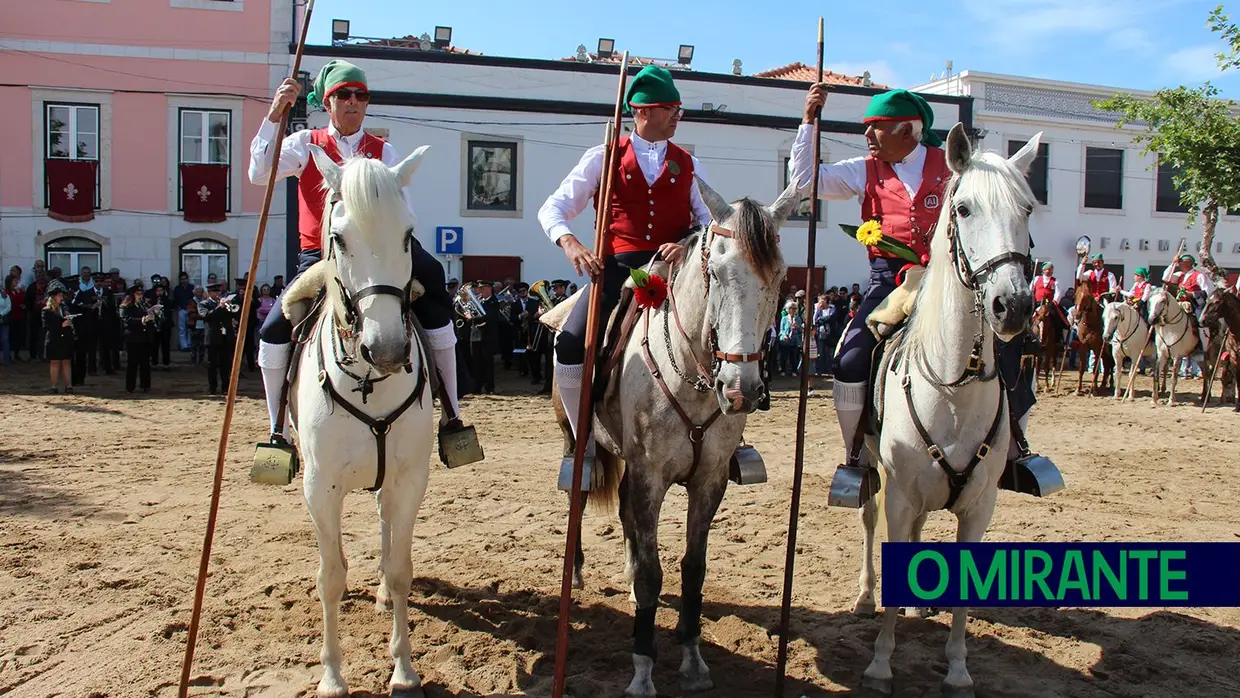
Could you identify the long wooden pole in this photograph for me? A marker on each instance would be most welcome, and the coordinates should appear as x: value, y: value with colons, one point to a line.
x: 799, y: 468
x: 584, y: 412
x: 238, y: 353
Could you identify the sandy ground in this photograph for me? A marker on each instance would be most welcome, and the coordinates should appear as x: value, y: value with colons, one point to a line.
x: 104, y: 498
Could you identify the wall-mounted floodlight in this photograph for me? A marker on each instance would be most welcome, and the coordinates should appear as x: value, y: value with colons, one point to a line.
x: 340, y: 29
x: 443, y: 37
x: 606, y: 48
x: 686, y: 54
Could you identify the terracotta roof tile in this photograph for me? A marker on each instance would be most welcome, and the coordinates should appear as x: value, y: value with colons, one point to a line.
x: 803, y: 73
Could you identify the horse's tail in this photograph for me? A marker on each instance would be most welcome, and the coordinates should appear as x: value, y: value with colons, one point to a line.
x: 604, y: 497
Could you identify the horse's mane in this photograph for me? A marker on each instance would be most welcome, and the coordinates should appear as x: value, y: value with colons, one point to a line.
x: 371, y: 193
x: 993, y: 183
x: 756, y: 239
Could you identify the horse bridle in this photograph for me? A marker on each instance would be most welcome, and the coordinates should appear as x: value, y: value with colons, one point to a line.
x: 704, y: 381
x: 969, y: 278
x: 353, y: 315
x: 1188, y: 325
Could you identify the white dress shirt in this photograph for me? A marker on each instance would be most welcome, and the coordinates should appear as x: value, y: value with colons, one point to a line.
x: 1051, y: 283
x: 1085, y: 272
x: 846, y: 179
x: 295, y: 153
x: 574, y: 193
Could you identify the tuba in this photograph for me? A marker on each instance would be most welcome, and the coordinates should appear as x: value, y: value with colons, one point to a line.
x: 539, y: 289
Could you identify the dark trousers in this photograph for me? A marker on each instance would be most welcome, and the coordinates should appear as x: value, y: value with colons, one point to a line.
x: 162, y: 347
x: 570, y: 344
x: 433, y: 309
x: 109, y: 354
x: 484, y: 365
x: 219, y: 366
x: 1017, y: 379
x: 83, y: 358
x: 852, y: 364
x: 138, y: 358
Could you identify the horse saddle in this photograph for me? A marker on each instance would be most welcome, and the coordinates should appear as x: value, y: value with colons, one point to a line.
x: 618, y: 328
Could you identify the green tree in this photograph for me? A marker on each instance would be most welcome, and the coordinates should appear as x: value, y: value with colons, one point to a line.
x: 1196, y: 132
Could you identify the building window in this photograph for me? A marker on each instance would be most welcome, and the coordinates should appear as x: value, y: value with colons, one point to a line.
x: 492, y: 176
x: 1038, y: 170
x: 71, y: 132
x: 71, y: 254
x: 202, y: 258
x: 1104, y: 178
x: 803, y: 207
x: 1168, y: 196
x: 205, y: 137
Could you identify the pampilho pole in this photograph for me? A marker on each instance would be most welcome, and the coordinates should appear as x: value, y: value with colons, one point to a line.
x: 230, y: 403
x: 799, y: 467
x: 602, y: 221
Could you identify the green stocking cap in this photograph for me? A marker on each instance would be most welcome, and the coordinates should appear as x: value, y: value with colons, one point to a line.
x: 651, y: 87
x: 1143, y: 272
x: 334, y: 75
x: 902, y: 105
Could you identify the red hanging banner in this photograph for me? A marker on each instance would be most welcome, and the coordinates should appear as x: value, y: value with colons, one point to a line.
x: 204, y: 192
x: 71, y: 189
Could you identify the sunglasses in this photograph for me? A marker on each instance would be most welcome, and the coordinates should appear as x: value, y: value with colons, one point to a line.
x: 344, y: 94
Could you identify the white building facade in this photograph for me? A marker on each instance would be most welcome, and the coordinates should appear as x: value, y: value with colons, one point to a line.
x: 505, y: 131
x: 1091, y: 179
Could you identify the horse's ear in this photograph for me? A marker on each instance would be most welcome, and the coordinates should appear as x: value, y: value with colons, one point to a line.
x: 1024, y: 157
x: 959, y: 149
x: 404, y: 171
x: 785, y: 204
x: 331, y: 172
x: 719, y: 207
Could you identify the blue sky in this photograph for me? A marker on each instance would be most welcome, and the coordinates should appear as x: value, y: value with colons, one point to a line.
x: 1132, y: 44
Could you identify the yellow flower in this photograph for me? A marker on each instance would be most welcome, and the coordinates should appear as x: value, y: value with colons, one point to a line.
x: 870, y: 233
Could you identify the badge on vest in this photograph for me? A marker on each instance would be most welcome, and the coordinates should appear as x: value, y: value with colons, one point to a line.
x: 673, y: 167
x: 932, y: 201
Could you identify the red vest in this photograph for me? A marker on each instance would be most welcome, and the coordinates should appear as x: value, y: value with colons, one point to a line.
x: 645, y: 216
x: 1189, y: 281
x: 1138, y: 289
x: 1099, y: 281
x: 887, y: 200
x: 1043, y: 289
x: 313, y: 199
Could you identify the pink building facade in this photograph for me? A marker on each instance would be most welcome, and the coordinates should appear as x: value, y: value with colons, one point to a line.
x: 141, y: 92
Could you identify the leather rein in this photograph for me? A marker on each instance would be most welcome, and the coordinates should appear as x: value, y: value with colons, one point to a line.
x: 704, y: 381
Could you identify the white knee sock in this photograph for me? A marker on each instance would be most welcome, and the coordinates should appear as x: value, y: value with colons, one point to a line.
x: 849, y: 404
x: 568, y: 381
x: 273, y: 360
x: 443, y: 344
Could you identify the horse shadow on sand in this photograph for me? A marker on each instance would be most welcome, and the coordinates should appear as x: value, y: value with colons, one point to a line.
x: 24, y: 493
x: 1162, y: 653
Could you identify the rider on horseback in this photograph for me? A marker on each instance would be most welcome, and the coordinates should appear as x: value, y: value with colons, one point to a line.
x: 341, y: 90
x: 636, y: 233
x: 1139, y: 296
x: 1194, y: 286
x: 906, y: 169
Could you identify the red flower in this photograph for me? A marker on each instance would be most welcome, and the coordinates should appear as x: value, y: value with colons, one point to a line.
x: 652, y: 292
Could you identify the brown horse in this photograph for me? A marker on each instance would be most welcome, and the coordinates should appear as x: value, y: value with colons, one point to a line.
x: 1048, y: 326
x: 1221, y: 315
x: 1089, y: 335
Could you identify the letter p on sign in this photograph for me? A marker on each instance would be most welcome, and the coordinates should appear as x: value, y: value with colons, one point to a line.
x: 449, y: 239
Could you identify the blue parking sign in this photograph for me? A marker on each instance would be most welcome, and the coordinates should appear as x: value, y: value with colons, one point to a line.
x: 449, y: 239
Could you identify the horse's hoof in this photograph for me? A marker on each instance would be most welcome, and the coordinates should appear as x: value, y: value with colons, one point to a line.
x: 579, y: 582
x: 958, y: 691
x: 920, y: 612
x: 695, y: 684
x: 332, y: 689
x: 864, y: 610
x: 883, y: 686
x: 643, y: 689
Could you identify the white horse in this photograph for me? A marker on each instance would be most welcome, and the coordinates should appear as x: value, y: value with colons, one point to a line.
x: 975, y: 288
x: 687, y: 382
x: 362, y: 399
x: 1175, y: 335
x: 1127, y: 333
